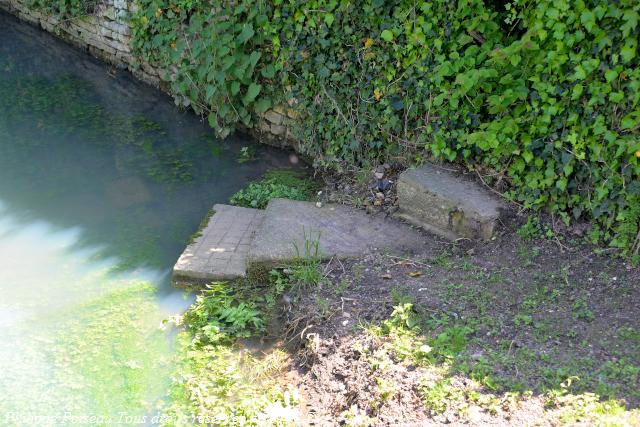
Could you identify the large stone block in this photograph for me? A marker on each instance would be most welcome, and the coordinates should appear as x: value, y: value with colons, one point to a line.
x: 219, y: 252
x: 441, y: 202
x: 290, y: 227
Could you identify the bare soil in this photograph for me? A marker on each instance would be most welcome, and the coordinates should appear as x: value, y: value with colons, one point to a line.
x: 551, y: 321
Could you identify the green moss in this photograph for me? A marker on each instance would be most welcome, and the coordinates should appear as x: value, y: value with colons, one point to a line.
x: 203, y: 224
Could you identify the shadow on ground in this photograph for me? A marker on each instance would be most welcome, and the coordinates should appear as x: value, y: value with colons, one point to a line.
x: 510, y: 332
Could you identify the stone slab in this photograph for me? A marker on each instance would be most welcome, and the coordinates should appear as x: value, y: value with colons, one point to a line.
x: 343, y: 232
x: 220, y: 252
x: 439, y: 201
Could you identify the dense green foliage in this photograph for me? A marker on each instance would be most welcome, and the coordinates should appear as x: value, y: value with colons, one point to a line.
x: 279, y: 183
x: 544, y: 93
x: 65, y: 8
x: 212, y: 52
x: 218, y: 382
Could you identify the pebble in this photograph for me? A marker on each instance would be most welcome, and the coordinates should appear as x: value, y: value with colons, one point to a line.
x: 383, y: 184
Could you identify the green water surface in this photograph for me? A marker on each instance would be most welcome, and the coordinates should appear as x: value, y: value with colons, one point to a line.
x: 102, y: 181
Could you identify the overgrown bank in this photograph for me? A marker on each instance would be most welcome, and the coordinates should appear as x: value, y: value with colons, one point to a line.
x: 539, y: 97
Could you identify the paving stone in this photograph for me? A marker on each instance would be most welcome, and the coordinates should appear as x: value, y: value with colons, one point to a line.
x: 220, y: 251
x: 344, y: 232
x: 439, y: 201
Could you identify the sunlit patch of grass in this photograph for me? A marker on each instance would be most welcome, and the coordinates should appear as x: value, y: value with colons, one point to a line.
x: 470, y: 388
x: 217, y: 381
x: 589, y: 409
x: 222, y: 385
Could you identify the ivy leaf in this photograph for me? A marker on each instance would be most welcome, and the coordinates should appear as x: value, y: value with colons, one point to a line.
x: 631, y: 120
x: 631, y: 22
x: 252, y: 92
x: 246, y: 33
x: 235, y: 87
x: 329, y: 18
x: 628, y: 52
x: 387, y: 35
x: 588, y: 19
x: 262, y: 105
x: 580, y: 73
x: 269, y: 71
x: 213, y: 120
x: 610, y: 75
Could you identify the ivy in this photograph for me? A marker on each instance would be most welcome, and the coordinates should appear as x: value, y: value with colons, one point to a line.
x: 214, y: 53
x: 544, y: 93
x: 65, y: 8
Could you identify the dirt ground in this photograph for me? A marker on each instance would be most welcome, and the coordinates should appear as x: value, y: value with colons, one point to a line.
x: 542, y: 330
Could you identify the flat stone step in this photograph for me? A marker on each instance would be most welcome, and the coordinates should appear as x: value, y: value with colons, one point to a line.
x: 343, y: 232
x: 441, y: 202
x: 220, y: 252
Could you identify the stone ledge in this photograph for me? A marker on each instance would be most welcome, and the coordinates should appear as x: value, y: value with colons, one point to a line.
x: 441, y: 202
x: 341, y: 231
x: 219, y: 253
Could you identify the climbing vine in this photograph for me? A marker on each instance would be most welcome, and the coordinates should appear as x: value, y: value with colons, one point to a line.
x: 65, y: 8
x: 545, y: 94
x: 213, y: 53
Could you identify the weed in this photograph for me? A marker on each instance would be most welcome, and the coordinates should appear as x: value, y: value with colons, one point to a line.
x: 450, y: 342
x: 217, y: 315
x: 247, y: 154
x: 386, y: 389
x: 341, y: 287
x: 401, y: 298
x: 528, y: 254
x: 323, y: 306
x: 305, y: 270
x: 439, y: 396
x: 523, y: 320
x: 534, y: 228
x: 443, y: 259
x: 581, y: 311
x: 279, y: 183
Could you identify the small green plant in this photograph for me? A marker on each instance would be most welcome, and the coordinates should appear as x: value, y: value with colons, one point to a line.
x: 398, y: 297
x: 247, y: 154
x: 450, y: 342
x: 523, y: 320
x: 282, y: 183
x: 581, y: 310
x: 216, y: 314
x: 323, y: 306
x: 341, y: 287
x: 443, y: 259
x: 386, y: 389
x: 440, y: 396
x: 534, y: 228
x: 305, y: 270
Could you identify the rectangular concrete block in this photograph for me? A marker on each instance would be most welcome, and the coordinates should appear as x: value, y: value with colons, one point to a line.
x: 339, y: 231
x: 441, y: 202
x: 219, y: 253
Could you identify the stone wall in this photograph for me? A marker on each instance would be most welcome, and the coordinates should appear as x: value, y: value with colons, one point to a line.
x: 106, y: 34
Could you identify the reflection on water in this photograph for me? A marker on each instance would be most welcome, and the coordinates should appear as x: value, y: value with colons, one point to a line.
x: 102, y: 181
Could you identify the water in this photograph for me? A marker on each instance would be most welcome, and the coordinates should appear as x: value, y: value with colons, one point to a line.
x: 102, y: 181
